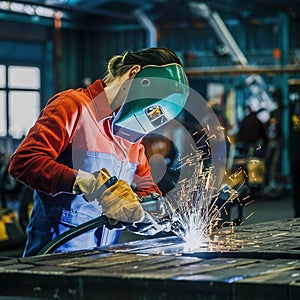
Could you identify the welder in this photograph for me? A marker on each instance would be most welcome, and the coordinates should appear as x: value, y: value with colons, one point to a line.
x: 87, y: 136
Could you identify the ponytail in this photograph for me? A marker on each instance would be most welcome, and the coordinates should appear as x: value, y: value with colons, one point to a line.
x: 118, y: 65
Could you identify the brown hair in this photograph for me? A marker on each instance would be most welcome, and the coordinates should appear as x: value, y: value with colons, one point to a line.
x: 120, y: 64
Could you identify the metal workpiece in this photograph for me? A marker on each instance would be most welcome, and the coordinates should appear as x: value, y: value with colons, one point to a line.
x: 260, y: 261
x: 269, y: 240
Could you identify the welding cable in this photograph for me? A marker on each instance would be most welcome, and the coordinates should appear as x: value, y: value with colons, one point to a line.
x: 74, y: 232
x: 83, y: 228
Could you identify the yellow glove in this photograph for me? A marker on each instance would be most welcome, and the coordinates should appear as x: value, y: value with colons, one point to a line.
x: 119, y: 201
x: 85, y: 183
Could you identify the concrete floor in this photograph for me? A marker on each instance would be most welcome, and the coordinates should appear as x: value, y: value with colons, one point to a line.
x: 264, y: 209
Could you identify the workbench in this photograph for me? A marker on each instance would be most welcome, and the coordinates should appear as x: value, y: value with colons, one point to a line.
x: 260, y: 261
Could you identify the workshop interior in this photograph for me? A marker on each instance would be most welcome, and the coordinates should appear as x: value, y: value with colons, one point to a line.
x: 227, y: 163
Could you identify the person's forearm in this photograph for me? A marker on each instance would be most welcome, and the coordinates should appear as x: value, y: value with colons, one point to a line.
x: 41, y: 172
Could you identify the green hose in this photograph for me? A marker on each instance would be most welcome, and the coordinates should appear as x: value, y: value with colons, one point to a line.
x: 72, y: 233
x: 85, y: 227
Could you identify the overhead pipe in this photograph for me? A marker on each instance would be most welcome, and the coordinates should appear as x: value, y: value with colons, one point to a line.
x: 147, y: 24
x: 221, y: 30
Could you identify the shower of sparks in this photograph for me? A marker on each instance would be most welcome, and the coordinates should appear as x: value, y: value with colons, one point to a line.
x: 249, y: 216
x: 198, y: 206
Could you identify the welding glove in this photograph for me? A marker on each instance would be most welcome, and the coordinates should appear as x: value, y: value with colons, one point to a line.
x: 118, y: 201
x: 85, y: 183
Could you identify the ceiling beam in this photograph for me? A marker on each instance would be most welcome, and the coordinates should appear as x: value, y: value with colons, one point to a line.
x: 239, y: 70
x: 80, y: 9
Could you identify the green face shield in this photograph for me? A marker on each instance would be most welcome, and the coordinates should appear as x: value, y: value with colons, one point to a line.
x: 155, y: 96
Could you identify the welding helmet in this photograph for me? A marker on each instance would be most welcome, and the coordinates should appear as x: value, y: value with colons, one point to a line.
x: 156, y: 95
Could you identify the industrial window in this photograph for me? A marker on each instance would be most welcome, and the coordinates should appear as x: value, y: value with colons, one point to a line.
x: 19, y: 99
x: 3, y: 128
x: 2, y: 76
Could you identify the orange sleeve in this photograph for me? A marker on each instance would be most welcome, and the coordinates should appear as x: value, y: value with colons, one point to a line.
x: 143, y: 179
x: 34, y: 162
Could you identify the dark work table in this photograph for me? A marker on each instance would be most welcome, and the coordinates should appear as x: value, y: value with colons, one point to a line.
x: 258, y: 261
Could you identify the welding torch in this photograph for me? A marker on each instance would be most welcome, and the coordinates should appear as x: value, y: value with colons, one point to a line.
x: 158, y: 218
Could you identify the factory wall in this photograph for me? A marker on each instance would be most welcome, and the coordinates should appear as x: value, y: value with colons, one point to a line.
x: 100, y: 46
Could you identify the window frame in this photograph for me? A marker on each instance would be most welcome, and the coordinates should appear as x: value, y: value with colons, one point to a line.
x: 8, y: 89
